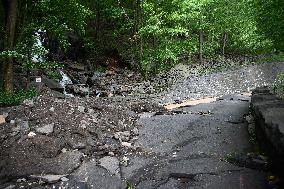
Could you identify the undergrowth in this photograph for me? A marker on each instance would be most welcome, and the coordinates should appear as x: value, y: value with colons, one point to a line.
x: 279, y: 85
x: 16, y: 98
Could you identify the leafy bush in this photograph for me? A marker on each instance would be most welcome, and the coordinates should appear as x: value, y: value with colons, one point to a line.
x: 279, y: 85
x: 54, y: 75
x: 12, y: 99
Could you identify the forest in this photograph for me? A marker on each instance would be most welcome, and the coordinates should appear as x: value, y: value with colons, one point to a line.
x: 142, y: 94
x: 148, y: 35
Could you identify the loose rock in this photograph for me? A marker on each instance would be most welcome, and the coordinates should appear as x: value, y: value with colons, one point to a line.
x: 126, y: 144
x: 123, y: 136
x: 111, y: 164
x: 47, y: 129
x: 81, y: 109
x: 49, y: 178
x: 31, y: 134
x: 10, y: 187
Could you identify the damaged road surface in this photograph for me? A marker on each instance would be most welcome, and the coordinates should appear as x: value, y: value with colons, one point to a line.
x: 190, y: 149
x: 186, y: 147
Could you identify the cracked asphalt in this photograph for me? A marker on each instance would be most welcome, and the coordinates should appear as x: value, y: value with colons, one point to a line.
x: 188, y: 149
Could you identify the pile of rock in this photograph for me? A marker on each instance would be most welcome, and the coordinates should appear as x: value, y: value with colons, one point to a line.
x: 48, y: 138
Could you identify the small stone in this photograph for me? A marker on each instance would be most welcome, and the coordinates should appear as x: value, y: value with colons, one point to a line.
x: 111, y: 153
x: 126, y: 144
x: 52, y: 109
x: 21, y: 126
x: 124, y: 136
x: 47, y: 129
x: 10, y: 187
x: 28, y: 102
x: 48, y: 178
x: 81, y: 109
x: 12, y: 121
x: 90, y: 141
x: 91, y: 111
x: 2, y: 119
x: 21, y: 180
x: 64, y: 179
x: 31, y: 134
x: 77, y: 144
x: 64, y: 150
x: 135, y: 131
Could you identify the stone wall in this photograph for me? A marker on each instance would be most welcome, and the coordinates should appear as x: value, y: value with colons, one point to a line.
x: 268, y: 112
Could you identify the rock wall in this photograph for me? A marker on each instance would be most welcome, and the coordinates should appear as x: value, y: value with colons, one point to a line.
x: 268, y: 112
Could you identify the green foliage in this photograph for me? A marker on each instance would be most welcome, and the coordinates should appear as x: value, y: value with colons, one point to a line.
x: 10, y: 54
x: 170, y: 30
x: 154, y: 35
x: 129, y: 185
x: 12, y: 99
x: 270, y: 15
x: 54, y: 75
x: 46, y: 66
x: 54, y: 19
x: 58, y: 17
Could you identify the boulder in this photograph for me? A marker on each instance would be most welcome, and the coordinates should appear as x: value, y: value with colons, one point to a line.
x: 77, y: 67
x: 46, y: 129
x: 52, y: 84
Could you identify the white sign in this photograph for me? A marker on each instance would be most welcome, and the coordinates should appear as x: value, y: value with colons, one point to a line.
x: 38, y: 80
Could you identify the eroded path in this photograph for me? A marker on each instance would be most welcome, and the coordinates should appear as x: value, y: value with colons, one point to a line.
x: 188, y: 147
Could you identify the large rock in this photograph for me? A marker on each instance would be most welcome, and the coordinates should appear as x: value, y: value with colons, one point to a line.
x: 50, y: 83
x: 95, y: 177
x: 37, y: 155
x: 46, y: 129
x: 111, y: 164
x: 77, y: 67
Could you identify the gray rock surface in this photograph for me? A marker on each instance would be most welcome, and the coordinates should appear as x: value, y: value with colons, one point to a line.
x: 37, y: 155
x: 218, y: 84
x: 52, y: 84
x: 90, y: 175
x: 48, y: 178
x: 111, y: 164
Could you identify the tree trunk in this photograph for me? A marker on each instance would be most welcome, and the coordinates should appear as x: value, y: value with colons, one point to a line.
x: 11, y: 9
x: 224, y: 41
x: 200, y: 53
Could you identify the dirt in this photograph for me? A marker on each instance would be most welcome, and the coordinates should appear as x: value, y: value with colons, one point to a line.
x: 82, y: 129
